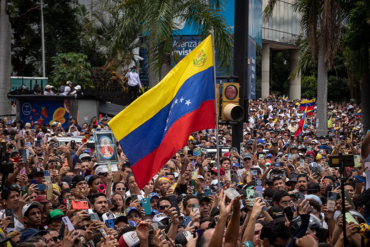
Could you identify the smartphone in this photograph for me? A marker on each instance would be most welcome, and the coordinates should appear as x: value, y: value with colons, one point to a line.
x: 38, y: 144
x: 187, y: 220
x: 250, y: 196
x: 357, y: 160
x: 349, y: 200
x: 103, y: 232
x: 260, y: 156
x: 73, y: 144
x: 24, y: 190
x: 194, y: 175
x: 332, y: 198
x: 9, y: 212
x: 234, y: 180
x: 228, y: 174
x: 23, y: 154
x: 192, y: 185
x: 94, y: 217
x: 301, y: 162
x: 49, y: 193
x: 173, y: 202
x: 195, y: 208
x: 207, y: 192
x: 183, y: 168
x: 359, y: 179
x: 47, y: 176
x: 134, y: 198
x: 277, y: 164
x: 326, y: 164
x: 173, y: 187
x: 41, y: 187
x: 235, y: 149
x: 90, y: 145
x: 101, y: 188
x: 308, y: 148
x: 55, y: 151
x: 349, y: 218
x: 231, y: 193
x: 254, y: 133
x: 145, y: 202
x: 110, y: 223
x: 68, y: 223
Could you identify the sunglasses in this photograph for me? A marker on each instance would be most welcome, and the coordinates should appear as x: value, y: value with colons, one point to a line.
x: 119, y: 189
x: 164, y: 207
x: 247, y: 159
x: 104, y: 174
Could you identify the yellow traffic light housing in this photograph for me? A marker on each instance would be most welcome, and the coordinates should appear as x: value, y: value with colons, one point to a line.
x: 230, y: 109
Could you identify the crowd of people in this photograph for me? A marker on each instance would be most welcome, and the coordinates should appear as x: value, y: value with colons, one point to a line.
x: 275, y: 189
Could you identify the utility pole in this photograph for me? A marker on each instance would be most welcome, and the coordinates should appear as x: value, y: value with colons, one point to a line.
x: 241, y: 64
x: 43, y: 40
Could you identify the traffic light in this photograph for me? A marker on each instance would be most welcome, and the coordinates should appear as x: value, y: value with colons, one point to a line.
x: 230, y: 109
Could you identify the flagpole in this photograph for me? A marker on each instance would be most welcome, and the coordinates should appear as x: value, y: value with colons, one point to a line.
x: 216, y: 112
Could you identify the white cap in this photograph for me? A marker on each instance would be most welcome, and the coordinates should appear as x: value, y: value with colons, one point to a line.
x: 107, y: 216
x: 129, y: 239
x: 78, y: 87
x: 48, y: 86
x: 28, y: 205
x: 84, y: 155
x: 101, y: 169
x: 160, y: 217
x: 200, y: 176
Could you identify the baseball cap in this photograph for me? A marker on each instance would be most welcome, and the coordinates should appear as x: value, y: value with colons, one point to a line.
x: 28, y: 205
x: 201, y: 177
x: 160, y: 217
x: 29, y: 233
x: 247, y: 155
x: 54, y: 215
x: 35, y: 171
x: 78, y: 87
x: 35, y: 123
x: 129, y: 239
x: 180, y: 238
x: 40, y: 198
x: 120, y: 219
x: 314, y: 197
x: 107, y: 216
x: 151, y: 195
x: 84, y: 155
x: 101, y: 169
x: 222, y: 171
x: 131, y: 209
x: 312, y: 186
x: 71, y: 118
x: 277, y: 213
x: 48, y: 86
x: 69, y: 82
x: 104, y: 119
x: 235, y: 164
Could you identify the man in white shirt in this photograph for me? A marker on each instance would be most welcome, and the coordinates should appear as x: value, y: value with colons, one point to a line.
x: 133, y: 82
x: 48, y: 90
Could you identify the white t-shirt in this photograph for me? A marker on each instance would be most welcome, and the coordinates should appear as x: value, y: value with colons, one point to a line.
x: 18, y: 225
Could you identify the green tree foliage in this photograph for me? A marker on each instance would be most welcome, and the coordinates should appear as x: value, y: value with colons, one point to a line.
x: 72, y: 67
x: 62, y: 33
x: 309, y: 86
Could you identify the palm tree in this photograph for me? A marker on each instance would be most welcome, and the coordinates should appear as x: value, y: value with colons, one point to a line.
x: 159, y: 20
x: 327, y: 15
x: 5, y: 58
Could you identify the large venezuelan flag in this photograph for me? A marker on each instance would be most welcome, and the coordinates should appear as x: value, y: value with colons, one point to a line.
x: 309, y: 104
x: 156, y: 125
